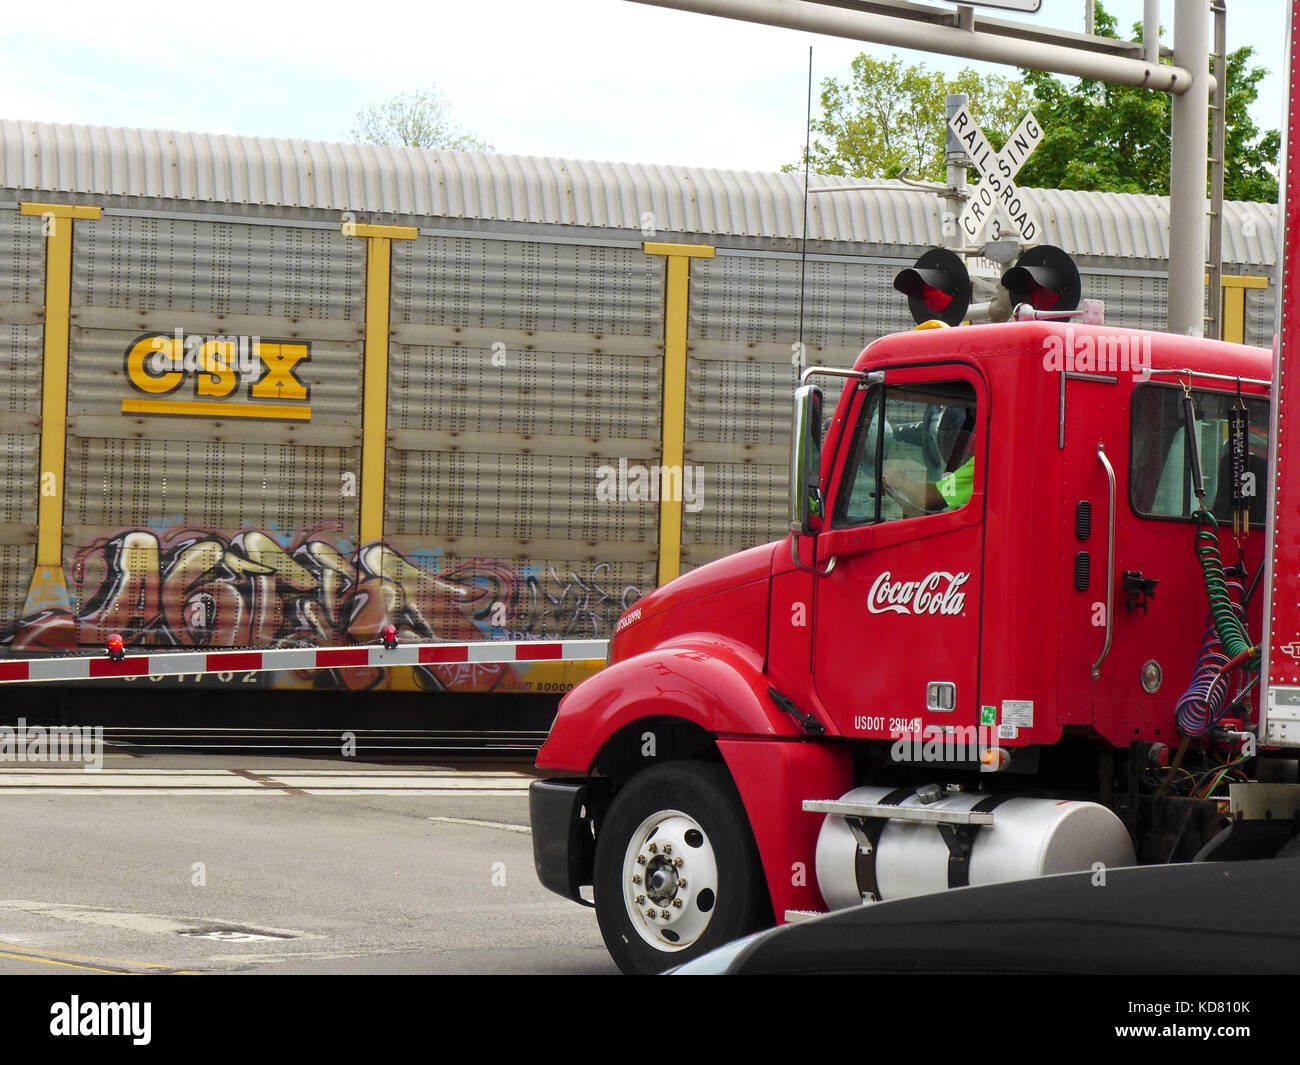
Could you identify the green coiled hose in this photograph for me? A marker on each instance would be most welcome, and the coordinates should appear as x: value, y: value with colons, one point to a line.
x: 1232, y: 633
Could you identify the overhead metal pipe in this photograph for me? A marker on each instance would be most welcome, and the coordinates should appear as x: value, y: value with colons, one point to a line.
x: 1151, y: 30
x: 1189, y: 155
x: 901, y: 32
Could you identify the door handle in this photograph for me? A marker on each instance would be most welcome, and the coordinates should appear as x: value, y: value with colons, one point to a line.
x: 1110, y: 560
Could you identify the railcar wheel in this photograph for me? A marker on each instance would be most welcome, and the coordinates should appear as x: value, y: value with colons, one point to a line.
x: 676, y: 870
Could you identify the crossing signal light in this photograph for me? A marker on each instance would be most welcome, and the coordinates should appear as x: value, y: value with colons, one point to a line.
x: 1046, y: 279
x: 937, y: 287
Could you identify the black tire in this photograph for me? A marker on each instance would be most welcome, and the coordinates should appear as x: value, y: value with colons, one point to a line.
x: 662, y: 804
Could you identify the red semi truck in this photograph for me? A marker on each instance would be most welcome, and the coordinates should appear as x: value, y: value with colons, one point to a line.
x: 929, y: 685
x: 1038, y: 612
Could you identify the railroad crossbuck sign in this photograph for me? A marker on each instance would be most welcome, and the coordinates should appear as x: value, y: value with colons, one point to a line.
x: 997, y: 191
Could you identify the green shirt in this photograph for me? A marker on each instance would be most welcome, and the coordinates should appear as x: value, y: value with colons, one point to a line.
x: 956, y: 487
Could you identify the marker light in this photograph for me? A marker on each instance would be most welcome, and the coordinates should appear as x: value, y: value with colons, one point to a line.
x: 389, y: 636
x: 116, y: 647
x: 1152, y: 676
x: 993, y: 759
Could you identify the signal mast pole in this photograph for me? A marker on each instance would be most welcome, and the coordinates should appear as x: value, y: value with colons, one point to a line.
x: 1189, y: 156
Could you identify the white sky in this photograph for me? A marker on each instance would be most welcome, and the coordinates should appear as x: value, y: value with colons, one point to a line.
x: 600, y: 79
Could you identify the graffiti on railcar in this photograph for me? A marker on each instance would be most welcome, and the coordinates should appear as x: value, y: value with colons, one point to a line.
x: 573, y: 606
x: 197, y: 587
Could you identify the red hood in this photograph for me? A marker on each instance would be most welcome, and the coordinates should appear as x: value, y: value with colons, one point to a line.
x: 745, y: 567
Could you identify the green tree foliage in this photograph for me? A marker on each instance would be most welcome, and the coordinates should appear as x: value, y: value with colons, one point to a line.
x: 888, y: 118
x: 1115, y: 138
x: 418, y: 119
x: 1251, y: 156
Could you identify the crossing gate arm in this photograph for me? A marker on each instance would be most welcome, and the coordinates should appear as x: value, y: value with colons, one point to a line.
x: 177, y: 663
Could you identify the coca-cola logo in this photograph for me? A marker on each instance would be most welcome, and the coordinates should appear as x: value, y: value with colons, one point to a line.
x: 939, y: 593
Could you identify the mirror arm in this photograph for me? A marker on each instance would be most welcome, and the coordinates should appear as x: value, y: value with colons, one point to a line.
x: 794, y: 554
x: 865, y: 379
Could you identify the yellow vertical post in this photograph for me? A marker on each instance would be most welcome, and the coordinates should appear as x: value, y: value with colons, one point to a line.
x: 374, y: 397
x: 1234, y: 304
x: 677, y: 299
x: 48, y: 590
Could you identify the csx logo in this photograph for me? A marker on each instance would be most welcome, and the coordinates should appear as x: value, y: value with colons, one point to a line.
x: 227, y: 376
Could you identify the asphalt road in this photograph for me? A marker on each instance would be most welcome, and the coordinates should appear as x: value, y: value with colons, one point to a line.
x: 170, y: 863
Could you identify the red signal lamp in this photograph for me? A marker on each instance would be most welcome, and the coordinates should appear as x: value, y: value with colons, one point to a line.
x: 389, y: 636
x: 938, y: 286
x: 1045, y: 278
x: 116, y: 647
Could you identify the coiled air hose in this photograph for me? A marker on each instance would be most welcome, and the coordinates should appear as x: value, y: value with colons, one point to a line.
x: 1226, y: 645
x: 1229, y: 620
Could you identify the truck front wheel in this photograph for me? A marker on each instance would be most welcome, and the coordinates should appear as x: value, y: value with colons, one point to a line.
x: 676, y: 870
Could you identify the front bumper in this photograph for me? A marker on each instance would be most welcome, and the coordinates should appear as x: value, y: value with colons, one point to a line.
x: 563, y: 844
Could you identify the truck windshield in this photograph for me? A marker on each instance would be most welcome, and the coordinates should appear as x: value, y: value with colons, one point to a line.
x: 1160, y: 470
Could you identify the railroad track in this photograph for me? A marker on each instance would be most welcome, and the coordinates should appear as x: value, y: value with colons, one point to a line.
x: 359, y: 743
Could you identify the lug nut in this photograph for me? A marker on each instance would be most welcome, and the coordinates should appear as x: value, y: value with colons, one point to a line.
x: 677, y: 904
x: 640, y: 859
x: 650, y: 912
x: 668, y: 848
x: 636, y: 878
x: 681, y: 882
x: 677, y: 862
x: 665, y: 914
x: 640, y: 899
x: 653, y: 848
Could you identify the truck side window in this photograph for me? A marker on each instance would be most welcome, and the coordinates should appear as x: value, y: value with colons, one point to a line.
x: 1160, y: 472
x: 912, y: 454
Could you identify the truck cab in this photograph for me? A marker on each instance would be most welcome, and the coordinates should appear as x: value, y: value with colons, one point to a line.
x: 992, y: 593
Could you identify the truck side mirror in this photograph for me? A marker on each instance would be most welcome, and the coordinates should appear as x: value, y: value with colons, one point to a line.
x: 806, y: 459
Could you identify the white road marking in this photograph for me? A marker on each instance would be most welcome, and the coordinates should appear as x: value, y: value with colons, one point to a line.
x: 213, y: 782
x: 484, y: 824
x: 268, y: 793
x: 152, y: 923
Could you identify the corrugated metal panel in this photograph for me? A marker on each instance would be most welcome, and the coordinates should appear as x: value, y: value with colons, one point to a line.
x: 748, y: 299
x: 22, y: 261
x: 141, y: 488
x: 93, y: 160
x: 743, y: 507
x: 569, y: 562
x: 741, y: 370
x: 17, y: 566
x: 519, y: 370
x: 161, y: 264
x: 22, y: 273
x: 584, y: 397
x: 470, y: 282
x: 226, y: 485
x: 1261, y: 316
x: 1135, y: 302
x: 517, y: 502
